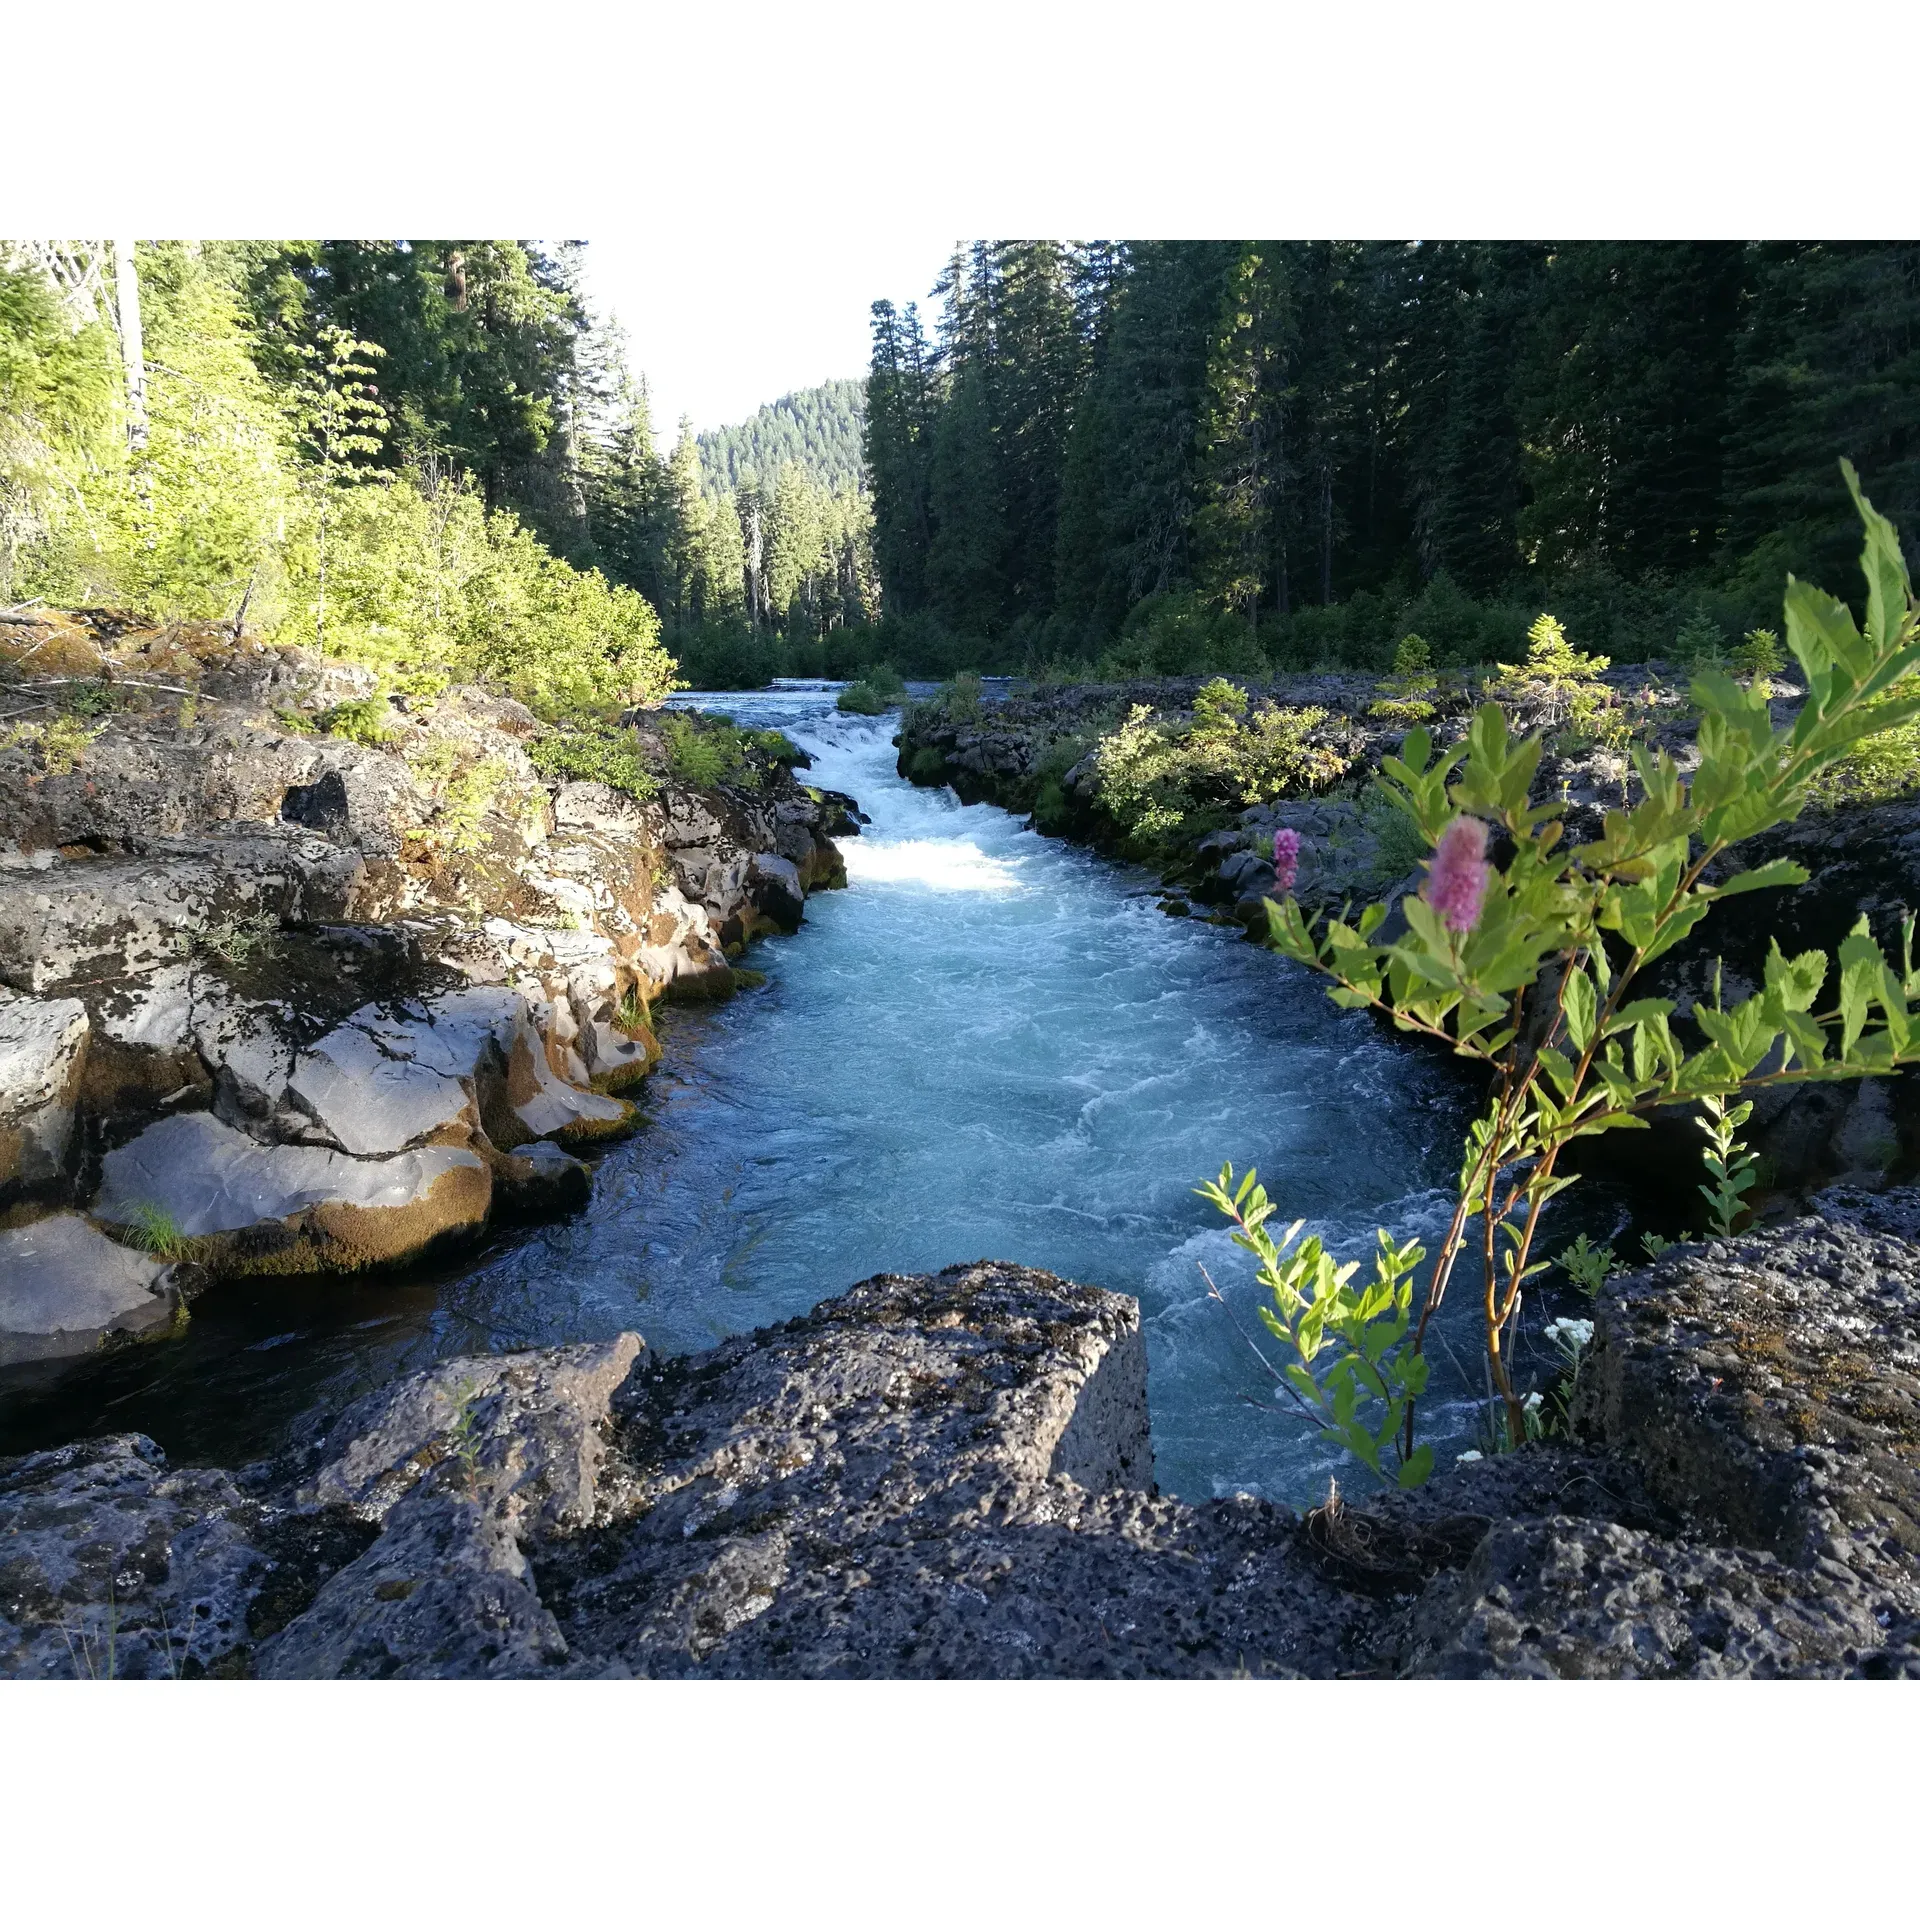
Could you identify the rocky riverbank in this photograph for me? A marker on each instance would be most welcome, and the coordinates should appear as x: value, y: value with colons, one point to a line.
x: 296, y: 975
x: 951, y: 1475
x: 1047, y: 753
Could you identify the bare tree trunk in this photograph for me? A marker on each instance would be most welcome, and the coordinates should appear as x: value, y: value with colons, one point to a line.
x: 133, y: 347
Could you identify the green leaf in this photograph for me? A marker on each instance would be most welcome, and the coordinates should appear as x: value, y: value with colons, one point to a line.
x: 1888, y: 589
x: 1579, y: 1004
x: 1775, y: 873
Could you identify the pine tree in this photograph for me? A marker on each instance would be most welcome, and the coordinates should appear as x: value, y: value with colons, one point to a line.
x: 1242, y: 435
x: 1828, y: 363
x: 966, y: 561
x: 1624, y: 402
x: 687, y: 522
x: 902, y: 404
x: 1037, y: 363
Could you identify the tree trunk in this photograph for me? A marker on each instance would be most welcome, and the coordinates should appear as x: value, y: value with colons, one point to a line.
x: 133, y: 351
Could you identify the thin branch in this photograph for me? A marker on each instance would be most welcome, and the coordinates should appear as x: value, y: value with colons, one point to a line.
x: 1307, y: 1411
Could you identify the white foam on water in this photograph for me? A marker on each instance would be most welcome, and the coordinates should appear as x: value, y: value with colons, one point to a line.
x: 947, y: 866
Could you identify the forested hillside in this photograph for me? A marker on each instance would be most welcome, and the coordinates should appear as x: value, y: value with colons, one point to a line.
x: 419, y: 453
x: 820, y: 430
x: 1224, y: 453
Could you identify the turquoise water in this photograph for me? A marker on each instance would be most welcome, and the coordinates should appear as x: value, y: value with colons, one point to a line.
x: 991, y: 1045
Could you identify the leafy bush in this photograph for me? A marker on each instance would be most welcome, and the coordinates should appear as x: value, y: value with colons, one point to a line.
x: 727, y: 655
x: 1153, y: 777
x: 610, y: 756
x: 1179, y: 633
x: 862, y: 697
x: 775, y: 744
x: 701, y: 756
x: 1592, y: 918
x: 364, y: 722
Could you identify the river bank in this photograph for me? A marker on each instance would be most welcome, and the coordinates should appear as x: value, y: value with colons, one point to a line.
x: 305, y: 979
x: 1046, y: 754
x: 952, y: 1476
x: 995, y: 1036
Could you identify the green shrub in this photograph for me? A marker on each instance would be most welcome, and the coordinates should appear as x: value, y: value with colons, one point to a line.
x: 1700, y: 643
x: 863, y: 698
x: 1155, y: 777
x: 1219, y: 707
x: 62, y: 741
x: 1758, y: 656
x: 701, y: 756
x: 365, y: 722
x: 1593, y: 916
x: 1179, y: 633
x: 1406, y: 694
x: 772, y: 742
x: 610, y: 756
x: 239, y: 938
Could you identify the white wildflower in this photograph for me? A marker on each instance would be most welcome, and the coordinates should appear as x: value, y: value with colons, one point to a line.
x: 1472, y: 1453
x: 1531, y: 1403
x: 1571, y: 1334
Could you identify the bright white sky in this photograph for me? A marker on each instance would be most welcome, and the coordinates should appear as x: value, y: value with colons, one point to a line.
x: 719, y: 328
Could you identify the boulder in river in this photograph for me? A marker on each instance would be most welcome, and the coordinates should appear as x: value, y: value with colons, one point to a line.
x: 246, y: 1207
x: 65, y: 1289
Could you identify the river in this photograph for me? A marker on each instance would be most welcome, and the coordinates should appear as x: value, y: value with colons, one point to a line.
x: 990, y: 1045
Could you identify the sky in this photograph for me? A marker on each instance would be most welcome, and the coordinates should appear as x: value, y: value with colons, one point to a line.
x: 719, y: 330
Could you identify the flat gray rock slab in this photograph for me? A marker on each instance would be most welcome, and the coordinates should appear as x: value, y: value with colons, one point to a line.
x: 370, y: 1101
x: 64, y: 1285
x: 213, y: 1179
x: 452, y: 1033
x: 245, y: 1042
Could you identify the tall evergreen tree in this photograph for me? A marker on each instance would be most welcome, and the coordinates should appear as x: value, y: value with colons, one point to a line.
x: 1827, y: 363
x: 1625, y: 402
x: 1037, y: 361
x: 1243, y: 430
x: 902, y: 405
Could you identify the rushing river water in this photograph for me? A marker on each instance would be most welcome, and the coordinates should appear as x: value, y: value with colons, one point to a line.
x: 991, y: 1045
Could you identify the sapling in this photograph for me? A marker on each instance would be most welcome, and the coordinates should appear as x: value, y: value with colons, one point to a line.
x: 1532, y: 968
x: 1730, y: 1170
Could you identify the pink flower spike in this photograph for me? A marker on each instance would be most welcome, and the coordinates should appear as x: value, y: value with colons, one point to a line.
x: 1456, y: 883
x: 1286, y: 860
